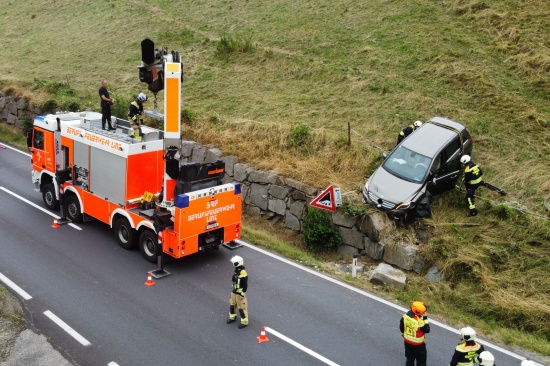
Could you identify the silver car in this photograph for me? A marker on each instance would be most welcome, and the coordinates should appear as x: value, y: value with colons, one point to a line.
x: 424, y: 164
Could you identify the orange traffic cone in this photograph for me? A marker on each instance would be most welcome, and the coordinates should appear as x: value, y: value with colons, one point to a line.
x: 55, y: 224
x: 149, y: 281
x: 262, y: 338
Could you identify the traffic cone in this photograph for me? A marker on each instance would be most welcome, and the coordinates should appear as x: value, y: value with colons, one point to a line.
x: 55, y: 224
x: 149, y: 281
x: 262, y: 338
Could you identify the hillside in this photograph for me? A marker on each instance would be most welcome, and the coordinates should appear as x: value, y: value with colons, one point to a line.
x: 276, y: 84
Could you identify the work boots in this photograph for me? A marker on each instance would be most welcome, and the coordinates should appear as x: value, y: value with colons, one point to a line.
x: 472, y: 212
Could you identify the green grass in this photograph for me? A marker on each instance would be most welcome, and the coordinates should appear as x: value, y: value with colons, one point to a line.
x: 259, y: 75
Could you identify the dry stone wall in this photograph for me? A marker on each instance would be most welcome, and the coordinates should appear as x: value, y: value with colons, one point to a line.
x: 283, y: 201
x: 16, y: 109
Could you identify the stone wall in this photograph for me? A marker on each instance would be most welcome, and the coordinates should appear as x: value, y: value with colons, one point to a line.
x: 15, y: 109
x: 283, y: 201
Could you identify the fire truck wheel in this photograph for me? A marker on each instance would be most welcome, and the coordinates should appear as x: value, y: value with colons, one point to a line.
x: 48, y: 194
x: 125, y: 234
x: 148, y: 245
x: 72, y: 208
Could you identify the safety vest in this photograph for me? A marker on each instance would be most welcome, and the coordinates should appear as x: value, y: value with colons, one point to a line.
x: 412, y: 333
x: 468, y: 354
x: 237, y: 281
x: 474, y: 172
x: 402, y: 133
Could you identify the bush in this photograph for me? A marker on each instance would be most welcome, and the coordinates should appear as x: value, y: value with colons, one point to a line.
x: 320, y: 235
x: 188, y: 116
x: 299, y: 135
x: 229, y: 45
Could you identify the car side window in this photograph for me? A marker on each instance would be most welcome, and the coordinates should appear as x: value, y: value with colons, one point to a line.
x: 450, y: 156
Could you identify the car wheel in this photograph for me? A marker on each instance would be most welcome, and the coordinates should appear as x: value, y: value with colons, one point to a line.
x: 423, y: 208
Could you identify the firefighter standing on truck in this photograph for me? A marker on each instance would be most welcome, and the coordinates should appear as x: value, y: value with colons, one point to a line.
x: 473, y: 177
x: 134, y: 115
x: 413, y: 326
x: 238, y: 293
x: 467, y: 352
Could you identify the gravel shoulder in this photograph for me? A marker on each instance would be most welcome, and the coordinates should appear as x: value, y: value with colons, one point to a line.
x: 19, y: 345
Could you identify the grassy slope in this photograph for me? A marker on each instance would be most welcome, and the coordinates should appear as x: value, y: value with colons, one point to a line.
x: 377, y: 65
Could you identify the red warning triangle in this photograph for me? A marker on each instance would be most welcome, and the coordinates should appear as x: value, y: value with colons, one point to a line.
x: 325, y: 200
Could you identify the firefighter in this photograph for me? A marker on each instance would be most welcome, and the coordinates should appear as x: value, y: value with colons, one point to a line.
x: 134, y: 115
x: 413, y: 325
x: 106, y: 103
x: 238, y: 293
x: 472, y: 178
x: 486, y: 358
x: 407, y: 131
x: 467, y: 352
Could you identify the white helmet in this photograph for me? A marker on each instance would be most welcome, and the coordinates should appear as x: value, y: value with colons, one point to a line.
x: 237, y: 261
x: 468, y: 334
x: 486, y: 358
x: 465, y: 159
x: 417, y: 124
x: 528, y: 363
x: 142, y: 97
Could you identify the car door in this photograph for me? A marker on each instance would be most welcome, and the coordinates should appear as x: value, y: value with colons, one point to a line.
x: 444, y: 178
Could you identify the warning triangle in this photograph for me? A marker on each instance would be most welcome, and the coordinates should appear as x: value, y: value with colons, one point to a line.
x: 325, y: 200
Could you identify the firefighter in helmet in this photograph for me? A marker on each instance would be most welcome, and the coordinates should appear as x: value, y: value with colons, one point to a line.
x: 486, y: 358
x: 468, y: 351
x: 413, y: 326
x: 237, y: 299
x: 473, y: 177
x: 407, y: 131
x: 134, y: 115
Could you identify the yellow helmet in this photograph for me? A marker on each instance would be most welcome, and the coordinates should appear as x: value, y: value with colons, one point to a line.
x: 418, y: 307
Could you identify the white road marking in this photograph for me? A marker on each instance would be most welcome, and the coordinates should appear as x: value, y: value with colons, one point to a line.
x: 15, y: 288
x: 67, y: 328
x: 16, y: 150
x: 299, y: 346
x: 112, y: 364
x: 37, y: 207
x: 376, y: 298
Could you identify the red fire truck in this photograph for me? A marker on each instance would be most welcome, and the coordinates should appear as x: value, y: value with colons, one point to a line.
x: 141, y: 188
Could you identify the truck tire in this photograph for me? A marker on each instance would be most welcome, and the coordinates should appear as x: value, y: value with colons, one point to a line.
x: 72, y: 209
x: 148, y: 245
x: 48, y: 195
x: 125, y: 234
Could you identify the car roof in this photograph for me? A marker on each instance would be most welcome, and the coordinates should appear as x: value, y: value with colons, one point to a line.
x: 429, y: 139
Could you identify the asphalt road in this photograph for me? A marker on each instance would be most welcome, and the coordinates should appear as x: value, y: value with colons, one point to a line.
x: 78, y: 274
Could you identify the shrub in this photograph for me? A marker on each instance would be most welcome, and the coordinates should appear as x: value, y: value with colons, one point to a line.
x: 299, y: 135
x: 353, y: 208
x: 229, y: 45
x: 49, y: 106
x: 188, y: 116
x: 320, y: 235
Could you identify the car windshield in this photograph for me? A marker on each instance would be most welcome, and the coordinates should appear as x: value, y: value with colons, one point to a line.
x: 407, y: 164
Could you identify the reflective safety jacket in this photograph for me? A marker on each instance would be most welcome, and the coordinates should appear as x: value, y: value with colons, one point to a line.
x: 413, y: 328
x: 407, y: 131
x: 472, y: 173
x: 466, y: 354
x: 136, y: 110
x: 240, y: 281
